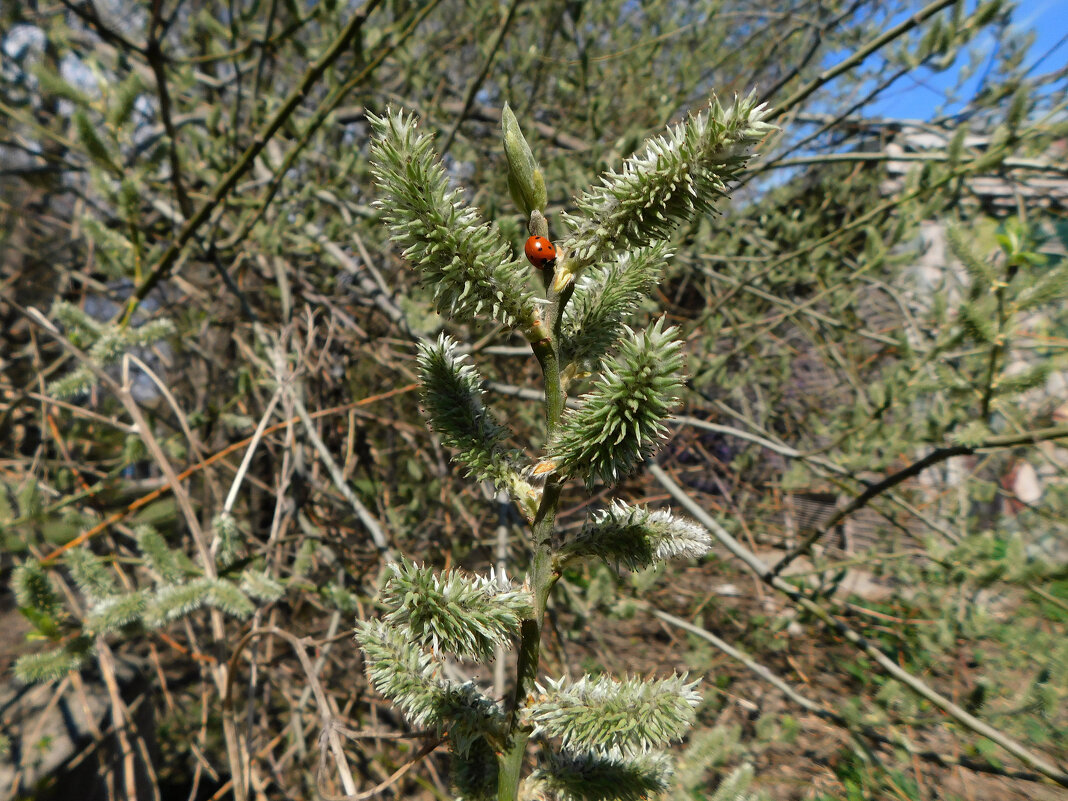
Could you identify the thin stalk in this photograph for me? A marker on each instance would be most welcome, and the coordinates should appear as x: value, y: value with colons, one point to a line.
x: 162, y: 267
x: 862, y: 53
x: 543, y: 573
x: 999, y: 346
x: 472, y: 89
x: 1033, y: 760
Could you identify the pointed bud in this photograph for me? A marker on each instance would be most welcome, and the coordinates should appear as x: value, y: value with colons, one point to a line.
x: 525, y: 180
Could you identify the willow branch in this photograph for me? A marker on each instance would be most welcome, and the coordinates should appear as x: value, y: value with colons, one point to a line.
x: 476, y: 83
x: 962, y: 716
x: 162, y: 267
x: 934, y: 457
x: 860, y: 55
x: 827, y: 714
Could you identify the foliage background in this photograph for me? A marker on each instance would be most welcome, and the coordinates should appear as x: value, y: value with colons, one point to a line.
x: 210, y: 159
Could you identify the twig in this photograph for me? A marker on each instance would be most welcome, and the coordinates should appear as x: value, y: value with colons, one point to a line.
x: 859, y: 55
x: 89, y: 14
x: 827, y: 714
x: 257, y: 435
x: 381, y: 543
x: 122, y: 393
x: 476, y: 82
x: 962, y: 716
x: 317, y: 689
x: 146, y: 499
x: 154, y: 55
x: 324, y: 110
x: 165, y: 391
x: 892, y: 480
x: 936, y: 157
x: 385, y: 784
x: 160, y: 270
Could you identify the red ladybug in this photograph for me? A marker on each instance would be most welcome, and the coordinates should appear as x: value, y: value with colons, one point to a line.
x: 540, y: 252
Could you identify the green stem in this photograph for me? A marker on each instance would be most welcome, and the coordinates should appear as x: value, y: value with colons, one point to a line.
x: 543, y: 577
x: 554, y: 393
x: 543, y: 573
x: 996, y: 349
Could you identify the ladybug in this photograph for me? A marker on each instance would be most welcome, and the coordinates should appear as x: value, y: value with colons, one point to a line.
x: 540, y: 252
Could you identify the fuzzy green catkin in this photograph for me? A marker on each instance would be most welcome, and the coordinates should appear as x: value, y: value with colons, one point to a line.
x: 175, y: 601
x: 452, y: 396
x: 109, y: 343
x: 86, y: 131
x: 50, y: 665
x: 674, y: 177
x: 613, y: 718
x: 79, y: 326
x: 227, y: 542
x: 587, y: 777
x: 468, y: 616
x: 981, y: 272
x: 475, y: 776
x: 621, y: 421
x: 605, y: 297
x: 399, y: 670
x: 1051, y: 285
x: 261, y: 586
x: 90, y: 573
x: 33, y: 589
x: 164, y: 562
x: 112, y: 613
x: 469, y: 717
x: 411, y: 678
x: 634, y: 538
x: 225, y: 596
x: 734, y: 786
x: 123, y: 101
x: 466, y: 261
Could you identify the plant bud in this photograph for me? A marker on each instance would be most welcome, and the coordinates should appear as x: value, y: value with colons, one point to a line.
x: 526, y: 183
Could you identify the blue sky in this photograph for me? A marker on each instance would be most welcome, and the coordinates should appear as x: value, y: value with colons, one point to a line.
x: 918, y: 99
